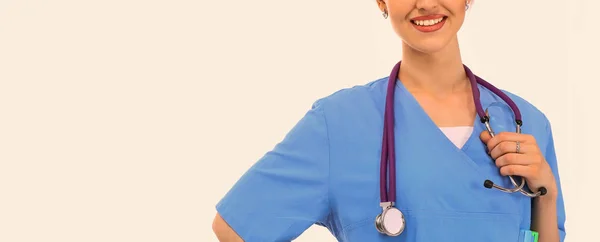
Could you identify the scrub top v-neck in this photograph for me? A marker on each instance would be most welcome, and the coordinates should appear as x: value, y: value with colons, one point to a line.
x: 458, y: 134
x: 325, y: 171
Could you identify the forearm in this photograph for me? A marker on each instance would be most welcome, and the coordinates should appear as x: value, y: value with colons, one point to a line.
x: 223, y: 231
x: 545, y: 220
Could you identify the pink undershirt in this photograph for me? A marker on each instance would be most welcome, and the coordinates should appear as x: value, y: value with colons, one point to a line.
x: 458, y: 135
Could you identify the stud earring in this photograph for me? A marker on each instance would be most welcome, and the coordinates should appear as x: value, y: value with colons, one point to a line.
x: 385, y: 14
x: 467, y: 6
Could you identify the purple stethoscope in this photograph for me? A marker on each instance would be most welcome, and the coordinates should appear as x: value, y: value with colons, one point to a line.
x: 391, y: 220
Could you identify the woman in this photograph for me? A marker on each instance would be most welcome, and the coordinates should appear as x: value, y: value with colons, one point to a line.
x: 327, y: 169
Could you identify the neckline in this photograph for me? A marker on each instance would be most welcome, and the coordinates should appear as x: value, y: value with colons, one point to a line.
x: 439, y: 132
x: 456, y: 127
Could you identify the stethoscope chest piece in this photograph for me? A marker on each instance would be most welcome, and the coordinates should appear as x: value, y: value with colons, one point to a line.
x: 391, y: 221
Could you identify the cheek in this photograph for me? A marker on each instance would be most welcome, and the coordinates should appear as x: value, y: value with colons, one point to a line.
x: 403, y: 29
x: 454, y: 5
x: 400, y: 9
x: 400, y: 22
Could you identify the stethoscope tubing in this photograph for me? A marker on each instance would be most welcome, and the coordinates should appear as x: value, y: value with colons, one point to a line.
x: 388, y: 157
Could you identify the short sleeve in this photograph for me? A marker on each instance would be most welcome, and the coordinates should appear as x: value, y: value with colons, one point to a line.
x: 286, y: 190
x: 552, y: 161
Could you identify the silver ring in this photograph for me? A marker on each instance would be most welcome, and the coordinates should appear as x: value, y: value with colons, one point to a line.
x: 518, y: 147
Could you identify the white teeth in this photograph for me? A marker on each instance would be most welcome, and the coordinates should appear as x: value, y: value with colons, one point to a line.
x: 428, y: 22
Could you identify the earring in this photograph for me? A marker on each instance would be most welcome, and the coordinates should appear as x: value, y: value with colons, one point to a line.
x: 467, y: 6
x: 385, y: 14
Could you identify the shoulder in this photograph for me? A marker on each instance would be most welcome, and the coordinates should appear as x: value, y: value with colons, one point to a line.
x: 356, y: 99
x: 529, y: 111
x: 535, y: 121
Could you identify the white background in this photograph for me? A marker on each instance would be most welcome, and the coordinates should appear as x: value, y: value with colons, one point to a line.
x: 124, y: 120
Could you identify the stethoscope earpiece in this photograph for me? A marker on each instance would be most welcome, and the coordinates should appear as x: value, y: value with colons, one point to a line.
x: 517, y: 187
x: 488, y: 184
x: 543, y: 191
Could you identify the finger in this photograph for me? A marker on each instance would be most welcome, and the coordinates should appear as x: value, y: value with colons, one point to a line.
x: 516, y: 170
x: 506, y: 147
x: 509, y: 136
x: 513, y: 159
x: 485, y: 136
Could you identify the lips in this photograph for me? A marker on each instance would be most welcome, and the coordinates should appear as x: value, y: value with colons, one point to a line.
x: 428, y: 17
x: 429, y: 23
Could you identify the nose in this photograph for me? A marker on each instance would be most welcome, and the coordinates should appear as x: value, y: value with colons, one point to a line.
x: 426, y: 5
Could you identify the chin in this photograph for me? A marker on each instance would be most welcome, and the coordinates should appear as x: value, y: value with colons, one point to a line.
x: 428, y: 45
x: 429, y: 40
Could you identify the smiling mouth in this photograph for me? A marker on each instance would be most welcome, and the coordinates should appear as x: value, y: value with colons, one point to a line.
x: 429, y: 22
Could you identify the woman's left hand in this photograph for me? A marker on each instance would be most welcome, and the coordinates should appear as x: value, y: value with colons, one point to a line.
x: 529, y: 162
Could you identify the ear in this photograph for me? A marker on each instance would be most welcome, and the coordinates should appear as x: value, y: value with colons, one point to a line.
x: 382, y: 6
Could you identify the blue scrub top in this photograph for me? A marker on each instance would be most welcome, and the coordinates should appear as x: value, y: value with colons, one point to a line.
x: 326, y: 172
